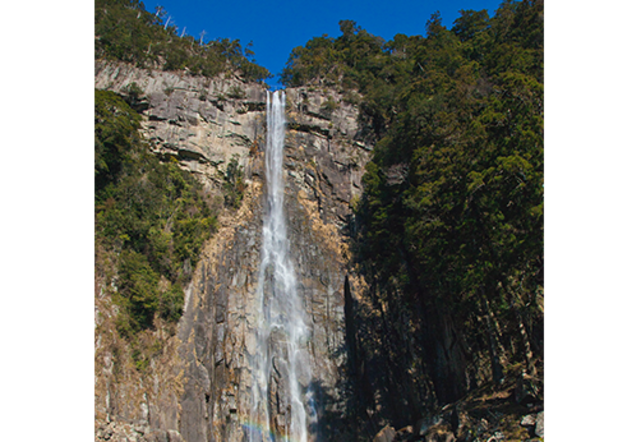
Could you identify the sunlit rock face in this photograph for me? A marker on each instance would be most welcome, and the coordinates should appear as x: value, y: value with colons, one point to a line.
x: 200, y: 387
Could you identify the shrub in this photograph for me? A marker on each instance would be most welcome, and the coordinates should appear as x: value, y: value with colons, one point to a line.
x: 233, y: 185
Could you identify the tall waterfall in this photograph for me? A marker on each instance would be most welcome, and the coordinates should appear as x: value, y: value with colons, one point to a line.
x: 281, y: 365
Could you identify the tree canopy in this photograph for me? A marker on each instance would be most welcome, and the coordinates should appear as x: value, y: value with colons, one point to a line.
x: 451, y: 218
x: 126, y: 31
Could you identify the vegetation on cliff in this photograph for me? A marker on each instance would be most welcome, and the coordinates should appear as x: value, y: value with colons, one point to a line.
x: 449, y: 230
x: 126, y: 31
x: 151, y: 220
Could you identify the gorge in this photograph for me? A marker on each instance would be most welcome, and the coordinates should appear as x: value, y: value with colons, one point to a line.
x: 356, y: 257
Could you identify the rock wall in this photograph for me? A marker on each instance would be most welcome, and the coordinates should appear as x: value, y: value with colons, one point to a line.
x: 197, y: 388
x: 218, y: 328
x: 202, y: 122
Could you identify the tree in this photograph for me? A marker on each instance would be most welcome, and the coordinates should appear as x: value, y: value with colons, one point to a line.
x: 460, y: 232
x: 470, y: 23
x: 348, y: 28
x: 434, y: 25
x: 126, y: 31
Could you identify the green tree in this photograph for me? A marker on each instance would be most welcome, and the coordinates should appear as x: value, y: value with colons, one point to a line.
x: 233, y: 185
x: 116, y: 127
x: 138, y: 289
x: 149, y: 213
x: 126, y: 31
x: 450, y: 220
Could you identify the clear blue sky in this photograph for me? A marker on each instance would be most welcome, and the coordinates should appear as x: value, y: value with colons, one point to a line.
x: 277, y: 27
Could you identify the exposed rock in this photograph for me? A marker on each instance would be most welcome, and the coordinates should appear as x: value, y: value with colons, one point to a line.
x: 540, y: 424
x: 534, y: 423
x: 387, y: 434
x: 404, y: 434
x: 328, y: 153
x: 528, y: 421
x: 193, y: 119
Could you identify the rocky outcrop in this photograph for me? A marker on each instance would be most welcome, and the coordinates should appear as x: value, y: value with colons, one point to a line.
x: 214, y: 333
x: 326, y: 151
x: 202, y: 122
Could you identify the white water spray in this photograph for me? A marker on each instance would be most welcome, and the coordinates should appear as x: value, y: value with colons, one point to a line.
x: 281, y: 360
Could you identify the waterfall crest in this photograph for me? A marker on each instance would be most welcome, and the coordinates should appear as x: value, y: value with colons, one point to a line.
x: 281, y: 362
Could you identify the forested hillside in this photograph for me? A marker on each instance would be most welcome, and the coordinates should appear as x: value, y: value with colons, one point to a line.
x: 151, y: 221
x: 449, y: 229
x: 126, y: 31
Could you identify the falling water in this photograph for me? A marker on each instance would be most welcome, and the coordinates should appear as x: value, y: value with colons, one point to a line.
x: 281, y: 359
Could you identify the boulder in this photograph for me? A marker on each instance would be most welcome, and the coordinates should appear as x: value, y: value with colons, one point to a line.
x: 528, y: 421
x: 534, y: 423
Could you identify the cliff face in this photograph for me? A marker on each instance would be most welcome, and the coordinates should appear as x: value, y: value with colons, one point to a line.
x: 197, y: 386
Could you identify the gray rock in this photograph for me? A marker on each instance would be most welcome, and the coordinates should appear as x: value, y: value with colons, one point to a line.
x: 528, y: 421
x: 534, y: 423
x: 498, y: 436
x: 179, y: 123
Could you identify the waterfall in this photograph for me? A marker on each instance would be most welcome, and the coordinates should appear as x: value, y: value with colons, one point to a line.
x: 281, y: 364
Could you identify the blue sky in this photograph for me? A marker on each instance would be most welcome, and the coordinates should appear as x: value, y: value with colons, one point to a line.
x: 276, y: 28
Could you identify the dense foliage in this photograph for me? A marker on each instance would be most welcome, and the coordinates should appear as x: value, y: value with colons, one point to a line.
x: 450, y: 225
x: 126, y: 31
x: 150, y: 215
x: 465, y: 143
x: 233, y: 183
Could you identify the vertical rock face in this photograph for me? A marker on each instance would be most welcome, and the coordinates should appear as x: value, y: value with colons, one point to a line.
x: 218, y: 328
x: 199, y: 387
x: 326, y: 151
x: 213, y: 334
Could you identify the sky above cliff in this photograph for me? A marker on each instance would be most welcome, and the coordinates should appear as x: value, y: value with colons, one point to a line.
x: 276, y: 28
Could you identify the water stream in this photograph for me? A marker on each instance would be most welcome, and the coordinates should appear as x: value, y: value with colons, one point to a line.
x: 278, y: 398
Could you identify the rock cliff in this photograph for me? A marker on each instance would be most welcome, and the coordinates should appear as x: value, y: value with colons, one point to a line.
x: 196, y: 387
x: 202, y: 122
